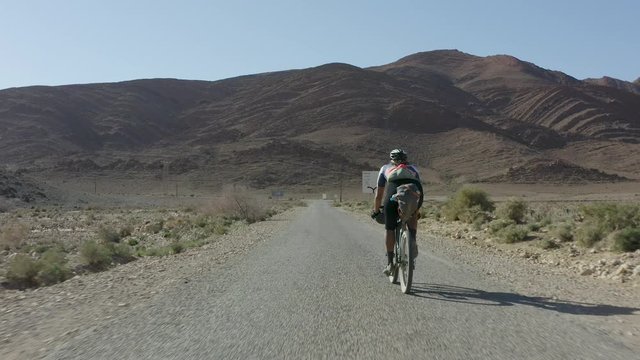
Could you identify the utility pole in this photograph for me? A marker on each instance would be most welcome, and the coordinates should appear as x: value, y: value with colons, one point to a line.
x: 341, y: 175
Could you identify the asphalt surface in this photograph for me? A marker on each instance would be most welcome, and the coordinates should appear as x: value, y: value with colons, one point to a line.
x: 316, y: 291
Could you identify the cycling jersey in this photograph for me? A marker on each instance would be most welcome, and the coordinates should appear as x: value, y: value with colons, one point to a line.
x: 395, y: 172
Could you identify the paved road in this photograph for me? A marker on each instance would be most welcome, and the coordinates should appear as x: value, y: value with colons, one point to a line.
x: 316, y: 292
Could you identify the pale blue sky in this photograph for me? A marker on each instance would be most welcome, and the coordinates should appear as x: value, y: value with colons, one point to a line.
x: 49, y: 42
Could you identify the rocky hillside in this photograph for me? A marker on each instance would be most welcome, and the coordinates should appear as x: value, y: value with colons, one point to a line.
x: 462, y: 117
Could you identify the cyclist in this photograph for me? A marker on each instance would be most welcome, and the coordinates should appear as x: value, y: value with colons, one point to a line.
x: 397, y: 172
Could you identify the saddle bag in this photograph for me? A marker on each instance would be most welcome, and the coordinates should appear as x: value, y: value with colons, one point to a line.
x: 408, y: 197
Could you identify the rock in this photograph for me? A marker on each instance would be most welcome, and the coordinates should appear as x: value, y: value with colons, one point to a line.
x: 602, y: 262
x: 587, y: 271
x: 636, y: 271
x: 593, y: 251
x: 616, y: 262
x: 623, y: 269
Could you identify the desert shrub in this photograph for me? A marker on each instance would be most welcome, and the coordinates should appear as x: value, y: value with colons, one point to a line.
x: 220, y: 228
x: 95, y: 255
x: 170, y: 234
x: 546, y: 221
x: 497, y: 225
x: 588, y: 234
x: 158, y: 251
x: 513, y: 233
x: 155, y: 227
x: 474, y: 214
x: 477, y: 223
x: 548, y: 244
x: 201, y: 221
x: 174, y: 223
x: 239, y: 204
x: 564, y: 232
x: 126, y: 231
x: 534, y: 226
x: 194, y: 243
x: 108, y: 235
x: 177, y: 247
x: 41, y: 248
x: 133, y: 242
x: 120, y: 253
x: 430, y: 210
x: 53, y: 267
x: 13, y: 235
x: 627, y: 240
x: 467, y: 205
x: 611, y: 216
x: 22, y: 271
x: 513, y: 209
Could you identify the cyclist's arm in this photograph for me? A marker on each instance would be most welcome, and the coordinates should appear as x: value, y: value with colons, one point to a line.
x: 378, y: 200
x: 382, y: 181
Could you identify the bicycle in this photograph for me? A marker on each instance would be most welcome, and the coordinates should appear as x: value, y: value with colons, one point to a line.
x: 404, y: 259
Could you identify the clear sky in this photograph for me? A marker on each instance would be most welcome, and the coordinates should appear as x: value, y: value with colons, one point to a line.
x: 55, y: 42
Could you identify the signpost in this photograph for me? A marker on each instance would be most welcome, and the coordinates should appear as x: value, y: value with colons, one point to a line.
x: 369, y: 182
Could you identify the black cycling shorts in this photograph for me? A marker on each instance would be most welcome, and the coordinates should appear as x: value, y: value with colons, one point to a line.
x: 391, y: 207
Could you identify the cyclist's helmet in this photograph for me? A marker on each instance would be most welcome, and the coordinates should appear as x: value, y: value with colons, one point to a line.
x: 398, y: 155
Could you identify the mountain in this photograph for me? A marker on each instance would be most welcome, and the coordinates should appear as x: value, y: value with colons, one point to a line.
x: 461, y: 117
x: 633, y: 87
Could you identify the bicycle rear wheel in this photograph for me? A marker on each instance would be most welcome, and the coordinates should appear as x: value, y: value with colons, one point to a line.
x: 405, y: 269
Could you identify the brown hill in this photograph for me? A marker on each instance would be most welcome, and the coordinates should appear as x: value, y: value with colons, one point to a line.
x: 511, y: 92
x: 633, y: 87
x: 556, y: 171
x: 462, y: 117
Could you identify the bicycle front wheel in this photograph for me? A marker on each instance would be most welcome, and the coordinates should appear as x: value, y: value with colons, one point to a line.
x: 405, y: 268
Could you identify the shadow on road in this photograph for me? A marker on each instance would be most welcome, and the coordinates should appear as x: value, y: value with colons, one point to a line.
x: 488, y: 298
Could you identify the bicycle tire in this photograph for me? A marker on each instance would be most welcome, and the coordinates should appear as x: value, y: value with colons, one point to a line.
x: 404, y: 268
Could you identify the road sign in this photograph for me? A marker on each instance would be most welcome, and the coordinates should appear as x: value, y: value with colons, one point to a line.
x: 369, y: 181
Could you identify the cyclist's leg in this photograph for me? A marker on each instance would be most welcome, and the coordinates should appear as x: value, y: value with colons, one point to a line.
x: 412, y: 227
x: 412, y: 224
x: 391, y: 220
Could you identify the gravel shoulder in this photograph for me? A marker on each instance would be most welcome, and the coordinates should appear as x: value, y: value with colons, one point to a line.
x: 34, y: 322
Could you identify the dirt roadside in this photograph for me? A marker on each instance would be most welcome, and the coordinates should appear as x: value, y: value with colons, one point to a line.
x: 34, y: 322
x: 556, y: 279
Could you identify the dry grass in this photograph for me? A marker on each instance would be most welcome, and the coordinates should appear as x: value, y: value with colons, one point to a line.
x: 239, y: 204
x: 13, y: 235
